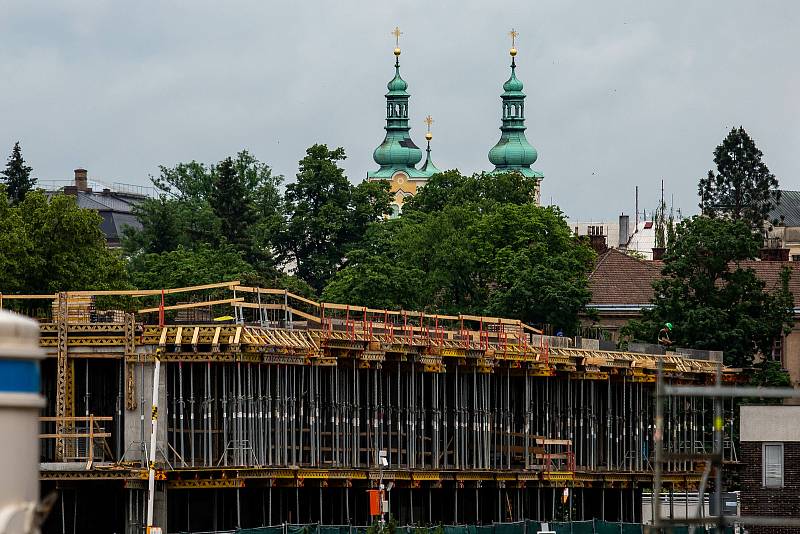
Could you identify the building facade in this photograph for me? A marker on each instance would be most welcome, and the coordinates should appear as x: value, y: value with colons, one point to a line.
x: 115, y: 205
x: 622, y: 288
x: 770, y: 456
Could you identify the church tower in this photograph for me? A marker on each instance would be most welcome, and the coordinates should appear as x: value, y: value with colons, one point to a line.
x: 398, y: 155
x: 513, y: 152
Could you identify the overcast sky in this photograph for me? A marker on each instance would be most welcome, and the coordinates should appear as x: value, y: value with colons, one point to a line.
x: 619, y: 93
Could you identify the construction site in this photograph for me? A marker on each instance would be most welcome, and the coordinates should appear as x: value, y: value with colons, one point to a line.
x: 272, y: 408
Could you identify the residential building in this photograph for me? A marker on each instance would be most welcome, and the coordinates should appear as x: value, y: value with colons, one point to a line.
x: 115, y: 204
x: 770, y: 459
x: 783, y: 226
x: 638, y: 240
x: 622, y: 287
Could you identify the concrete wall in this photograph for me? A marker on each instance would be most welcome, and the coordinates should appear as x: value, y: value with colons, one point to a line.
x: 134, y: 418
x: 770, y: 423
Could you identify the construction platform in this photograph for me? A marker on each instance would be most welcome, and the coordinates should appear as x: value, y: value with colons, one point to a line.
x: 280, y: 413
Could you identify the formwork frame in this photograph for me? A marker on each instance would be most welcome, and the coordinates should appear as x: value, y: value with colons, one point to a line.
x: 715, y: 459
x: 296, y: 391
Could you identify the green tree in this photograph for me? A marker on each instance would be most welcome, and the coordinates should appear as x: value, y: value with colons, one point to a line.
x: 492, y: 253
x: 161, y: 230
x: 539, y: 267
x: 376, y: 274
x: 232, y: 204
x: 713, y: 302
x: 236, y: 201
x: 18, y: 177
x: 327, y: 215
x: 742, y: 188
x: 204, y: 264
x: 453, y: 188
x: 187, y: 267
x: 52, y: 245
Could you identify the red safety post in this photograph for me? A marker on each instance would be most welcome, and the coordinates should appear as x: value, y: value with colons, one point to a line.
x: 374, y: 502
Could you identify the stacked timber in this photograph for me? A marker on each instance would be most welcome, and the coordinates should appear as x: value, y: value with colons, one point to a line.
x: 80, y: 309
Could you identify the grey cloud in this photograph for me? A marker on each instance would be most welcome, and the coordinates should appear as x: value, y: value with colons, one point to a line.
x: 619, y: 93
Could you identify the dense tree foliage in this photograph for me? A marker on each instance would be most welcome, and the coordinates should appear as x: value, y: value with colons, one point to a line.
x: 52, y: 245
x: 326, y: 214
x: 471, y: 244
x: 187, y: 267
x: 742, y: 188
x: 17, y: 176
x: 234, y: 203
x: 234, y: 212
x: 712, y: 301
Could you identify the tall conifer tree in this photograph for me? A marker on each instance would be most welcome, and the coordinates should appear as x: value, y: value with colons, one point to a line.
x: 231, y: 202
x: 17, y: 176
x: 742, y: 188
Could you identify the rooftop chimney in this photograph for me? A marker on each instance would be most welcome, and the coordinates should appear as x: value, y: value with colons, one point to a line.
x: 624, y: 231
x: 598, y: 243
x: 81, y: 180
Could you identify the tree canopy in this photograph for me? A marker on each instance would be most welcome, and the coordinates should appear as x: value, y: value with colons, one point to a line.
x: 743, y: 188
x: 235, y: 202
x: 326, y: 214
x: 713, y: 301
x: 471, y: 244
x: 17, y: 175
x: 52, y: 245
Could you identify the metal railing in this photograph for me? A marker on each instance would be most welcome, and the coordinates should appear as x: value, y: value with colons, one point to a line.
x: 714, y: 461
x: 84, y: 439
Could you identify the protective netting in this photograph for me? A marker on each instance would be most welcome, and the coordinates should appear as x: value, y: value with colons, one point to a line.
x: 522, y: 527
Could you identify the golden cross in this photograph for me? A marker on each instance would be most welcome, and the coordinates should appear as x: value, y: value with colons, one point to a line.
x: 397, y: 33
x: 514, y: 34
x: 429, y: 121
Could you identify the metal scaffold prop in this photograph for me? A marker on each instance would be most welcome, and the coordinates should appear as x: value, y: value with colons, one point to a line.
x: 279, y: 398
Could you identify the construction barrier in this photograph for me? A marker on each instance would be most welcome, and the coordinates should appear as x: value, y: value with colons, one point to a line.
x: 522, y: 527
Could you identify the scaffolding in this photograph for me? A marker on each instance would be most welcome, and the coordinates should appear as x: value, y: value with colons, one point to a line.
x: 481, y: 418
x: 712, y: 460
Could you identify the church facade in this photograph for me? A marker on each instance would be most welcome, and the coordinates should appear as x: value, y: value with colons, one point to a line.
x: 398, y: 155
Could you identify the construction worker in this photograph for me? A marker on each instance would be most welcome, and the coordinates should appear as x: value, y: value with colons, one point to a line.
x: 663, y: 335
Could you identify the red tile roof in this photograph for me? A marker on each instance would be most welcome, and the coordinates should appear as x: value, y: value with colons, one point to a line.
x: 622, y: 280
x: 770, y: 273
x: 619, y: 279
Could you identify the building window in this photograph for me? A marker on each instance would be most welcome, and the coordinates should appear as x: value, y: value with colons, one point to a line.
x: 795, y: 257
x: 772, y: 463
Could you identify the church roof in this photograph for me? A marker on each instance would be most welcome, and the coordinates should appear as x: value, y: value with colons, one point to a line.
x: 513, y: 152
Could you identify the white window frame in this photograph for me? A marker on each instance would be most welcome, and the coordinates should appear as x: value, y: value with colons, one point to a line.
x: 772, y: 481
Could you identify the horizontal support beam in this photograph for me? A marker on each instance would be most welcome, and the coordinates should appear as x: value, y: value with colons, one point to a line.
x: 78, y: 418
x: 192, y: 305
x: 725, y: 391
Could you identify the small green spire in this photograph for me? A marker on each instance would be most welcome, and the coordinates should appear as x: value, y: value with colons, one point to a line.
x: 428, y: 167
x: 397, y: 152
x: 513, y: 152
x: 397, y: 86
